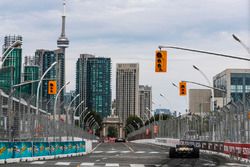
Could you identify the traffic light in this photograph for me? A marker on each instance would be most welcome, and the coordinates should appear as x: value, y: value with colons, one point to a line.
x: 183, y: 88
x: 52, y: 87
x: 160, y: 61
x: 248, y: 115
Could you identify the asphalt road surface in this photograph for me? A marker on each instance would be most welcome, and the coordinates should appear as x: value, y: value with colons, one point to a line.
x: 131, y: 155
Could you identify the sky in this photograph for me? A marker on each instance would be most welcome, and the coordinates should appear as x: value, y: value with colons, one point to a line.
x: 129, y: 31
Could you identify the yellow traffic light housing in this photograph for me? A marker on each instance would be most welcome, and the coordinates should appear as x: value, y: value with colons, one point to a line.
x: 183, y: 88
x: 52, y: 87
x: 160, y: 61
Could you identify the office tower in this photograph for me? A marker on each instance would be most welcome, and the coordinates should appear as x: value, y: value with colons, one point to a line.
x: 145, y: 101
x: 199, y: 100
x: 236, y: 83
x: 62, y: 43
x: 93, y: 83
x: 10, y: 74
x: 127, y: 88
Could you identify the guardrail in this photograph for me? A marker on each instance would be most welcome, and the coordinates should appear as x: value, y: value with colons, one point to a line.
x: 10, y: 150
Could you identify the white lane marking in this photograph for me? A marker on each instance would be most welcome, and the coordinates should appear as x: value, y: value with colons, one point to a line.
x: 125, y: 151
x: 38, y: 162
x: 109, y: 152
x: 136, y: 165
x: 97, y: 152
x: 87, y: 164
x: 208, y: 164
x: 63, y: 163
x: 153, y: 152
x: 235, y: 164
x: 97, y: 160
x: 96, y: 147
x: 128, y: 147
x: 140, y: 152
x: 112, y: 165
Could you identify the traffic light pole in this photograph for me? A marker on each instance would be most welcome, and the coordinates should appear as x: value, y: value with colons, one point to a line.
x: 204, y: 52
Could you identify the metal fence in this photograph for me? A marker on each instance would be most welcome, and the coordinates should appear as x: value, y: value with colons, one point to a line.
x: 19, y: 121
x: 230, y: 123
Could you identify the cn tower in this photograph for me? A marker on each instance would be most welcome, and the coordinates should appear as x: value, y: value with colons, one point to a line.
x: 63, y: 41
x: 62, y: 44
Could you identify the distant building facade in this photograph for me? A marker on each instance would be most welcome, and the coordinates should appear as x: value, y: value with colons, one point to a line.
x: 236, y: 82
x: 199, y: 100
x: 145, y: 101
x: 127, y: 89
x: 93, y: 83
x: 162, y: 111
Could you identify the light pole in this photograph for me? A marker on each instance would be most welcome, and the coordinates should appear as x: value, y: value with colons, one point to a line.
x: 212, y: 92
x: 90, y: 118
x: 246, y: 137
x: 67, y: 113
x: 75, y: 111
x: 84, y: 119
x: 38, y: 90
x: 81, y: 115
x: 91, y: 121
x: 138, y: 126
x: 55, y: 106
x: 39, y: 85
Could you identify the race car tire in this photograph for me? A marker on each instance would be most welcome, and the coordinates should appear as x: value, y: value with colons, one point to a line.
x: 196, y: 152
x: 172, y: 153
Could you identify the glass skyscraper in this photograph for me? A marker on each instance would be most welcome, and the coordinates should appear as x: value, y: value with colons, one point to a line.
x: 93, y: 83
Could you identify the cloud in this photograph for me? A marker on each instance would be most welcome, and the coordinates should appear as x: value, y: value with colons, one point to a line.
x: 131, y: 30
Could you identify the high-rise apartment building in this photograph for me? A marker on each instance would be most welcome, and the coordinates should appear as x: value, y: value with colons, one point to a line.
x: 44, y: 59
x: 30, y: 73
x: 11, y: 72
x: 93, y: 83
x: 145, y: 101
x: 127, y: 89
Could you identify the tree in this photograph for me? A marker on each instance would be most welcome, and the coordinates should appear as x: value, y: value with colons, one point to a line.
x: 112, y: 132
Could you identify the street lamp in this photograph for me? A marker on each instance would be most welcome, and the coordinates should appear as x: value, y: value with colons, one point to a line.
x: 12, y: 47
x: 244, y: 45
x: 91, y: 121
x: 84, y: 119
x: 38, y: 90
x: 76, y: 110
x: 55, y: 106
x: 81, y: 115
x: 39, y: 85
x: 67, y: 112
x: 175, y: 85
x: 138, y: 126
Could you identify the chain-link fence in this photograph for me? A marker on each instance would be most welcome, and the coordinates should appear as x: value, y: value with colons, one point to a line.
x: 20, y: 121
x: 230, y: 123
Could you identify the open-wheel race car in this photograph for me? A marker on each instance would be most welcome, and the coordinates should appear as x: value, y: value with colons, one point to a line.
x: 184, y: 151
